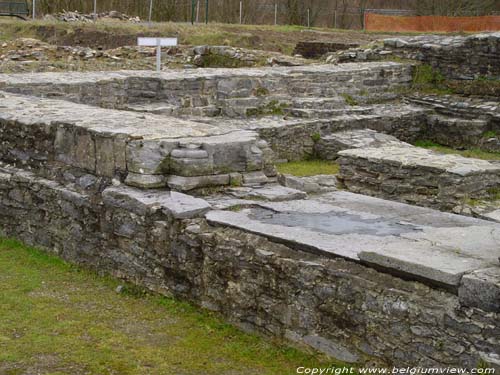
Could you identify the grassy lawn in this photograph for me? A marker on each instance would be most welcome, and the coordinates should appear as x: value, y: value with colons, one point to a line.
x: 471, y: 153
x: 308, y: 168
x: 57, y: 319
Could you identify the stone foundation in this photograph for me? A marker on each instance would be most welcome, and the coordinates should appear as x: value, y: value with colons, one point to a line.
x: 162, y: 241
x: 418, y: 176
x: 358, y: 278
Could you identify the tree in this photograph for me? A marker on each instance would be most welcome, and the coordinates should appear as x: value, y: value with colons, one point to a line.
x: 456, y: 7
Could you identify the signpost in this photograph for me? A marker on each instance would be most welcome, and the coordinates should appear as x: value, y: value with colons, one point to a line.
x: 158, y: 43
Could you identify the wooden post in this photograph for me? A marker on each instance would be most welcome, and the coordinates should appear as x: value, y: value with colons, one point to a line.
x: 33, y: 11
x: 275, y: 14
x: 308, y: 17
x: 198, y: 11
x: 95, y: 10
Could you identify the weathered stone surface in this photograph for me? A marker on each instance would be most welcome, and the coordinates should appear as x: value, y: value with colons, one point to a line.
x: 145, y: 181
x: 340, y: 307
x: 481, y: 289
x: 311, y: 184
x: 329, y: 146
x: 179, y: 206
x: 325, y: 271
x: 437, y: 253
x: 417, y: 175
x: 268, y: 192
x: 189, y: 183
x: 462, y: 57
x: 418, y: 261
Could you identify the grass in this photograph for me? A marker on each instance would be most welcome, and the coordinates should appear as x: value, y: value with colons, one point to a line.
x: 308, y: 168
x: 470, y: 153
x: 273, y: 108
x: 349, y: 100
x: 56, y: 318
x: 281, y: 38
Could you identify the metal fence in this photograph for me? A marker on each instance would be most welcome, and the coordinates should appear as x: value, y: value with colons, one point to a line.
x: 269, y: 12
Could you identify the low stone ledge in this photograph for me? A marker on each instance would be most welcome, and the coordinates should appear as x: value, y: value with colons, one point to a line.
x: 179, y: 206
x: 329, y: 146
x: 418, y: 176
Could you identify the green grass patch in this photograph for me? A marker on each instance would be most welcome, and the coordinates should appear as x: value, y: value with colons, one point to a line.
x: 57, y: 318
x: 308, y: 168
x: 470, y: 153
x: 428, y: 80
x: 349, y: 100
x: 490, y: 134
x: 273, y: 108
x: 220, y: 61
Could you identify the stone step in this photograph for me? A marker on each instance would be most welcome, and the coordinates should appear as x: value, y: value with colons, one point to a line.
x: 328, y: 147
x: 161, y: 108
x: 463, y: 133
x: 418, y: 176
x: 326, y: 113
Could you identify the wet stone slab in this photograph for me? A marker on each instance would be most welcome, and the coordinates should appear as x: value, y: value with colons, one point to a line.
x: 411, y: 242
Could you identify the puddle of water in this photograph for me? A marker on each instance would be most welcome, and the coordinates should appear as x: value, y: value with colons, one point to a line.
x: 333, y: 222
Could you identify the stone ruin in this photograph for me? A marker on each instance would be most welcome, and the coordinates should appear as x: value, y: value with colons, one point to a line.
x: 168, y: 180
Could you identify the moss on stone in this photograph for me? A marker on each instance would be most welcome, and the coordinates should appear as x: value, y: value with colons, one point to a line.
x: 349, y: 100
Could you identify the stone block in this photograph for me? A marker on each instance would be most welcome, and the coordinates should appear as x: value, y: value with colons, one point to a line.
x: 183, y: 183
x: 481, y: 289
x: 145, y: 181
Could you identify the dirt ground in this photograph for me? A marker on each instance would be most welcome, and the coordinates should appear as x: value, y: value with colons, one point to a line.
x: 53, y: 45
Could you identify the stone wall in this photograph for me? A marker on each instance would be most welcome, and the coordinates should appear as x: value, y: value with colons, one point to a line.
x: 295, y: 140
x: 313, y: 50
x: 162, y: 241
x: 457, y: 57
x: 418, y: 176
x: 203, y: 88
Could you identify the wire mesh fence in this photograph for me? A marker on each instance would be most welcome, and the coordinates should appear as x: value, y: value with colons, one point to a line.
x: 312, y: 13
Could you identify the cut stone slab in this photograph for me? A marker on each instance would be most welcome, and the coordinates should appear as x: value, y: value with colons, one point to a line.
x: 178, y: 205
x: 254, y: 178
x: 310, y: 184
x: 419, y: 261
x: 145, y: 181
x: 418, y: 176
x: 416, y: 243
x: 329, y: 146
x: 481, y: 289
x: 182, y: 183
x: 272, y: 193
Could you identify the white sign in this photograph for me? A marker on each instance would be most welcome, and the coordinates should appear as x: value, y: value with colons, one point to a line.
x: 158, y: 43
x: 155, y: 42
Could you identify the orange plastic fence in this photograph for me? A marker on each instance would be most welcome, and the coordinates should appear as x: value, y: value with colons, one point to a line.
x: 378, y: 22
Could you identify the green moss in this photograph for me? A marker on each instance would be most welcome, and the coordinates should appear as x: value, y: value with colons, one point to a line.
x: 316, y: 137
x: 59, y: 318
x: 261, y: 91
x: 349, y: 99
x: 470, y: 153
x: 494, y: 194
x: 308, y: 168
x: 273, y: 108
x: 490, y: 134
